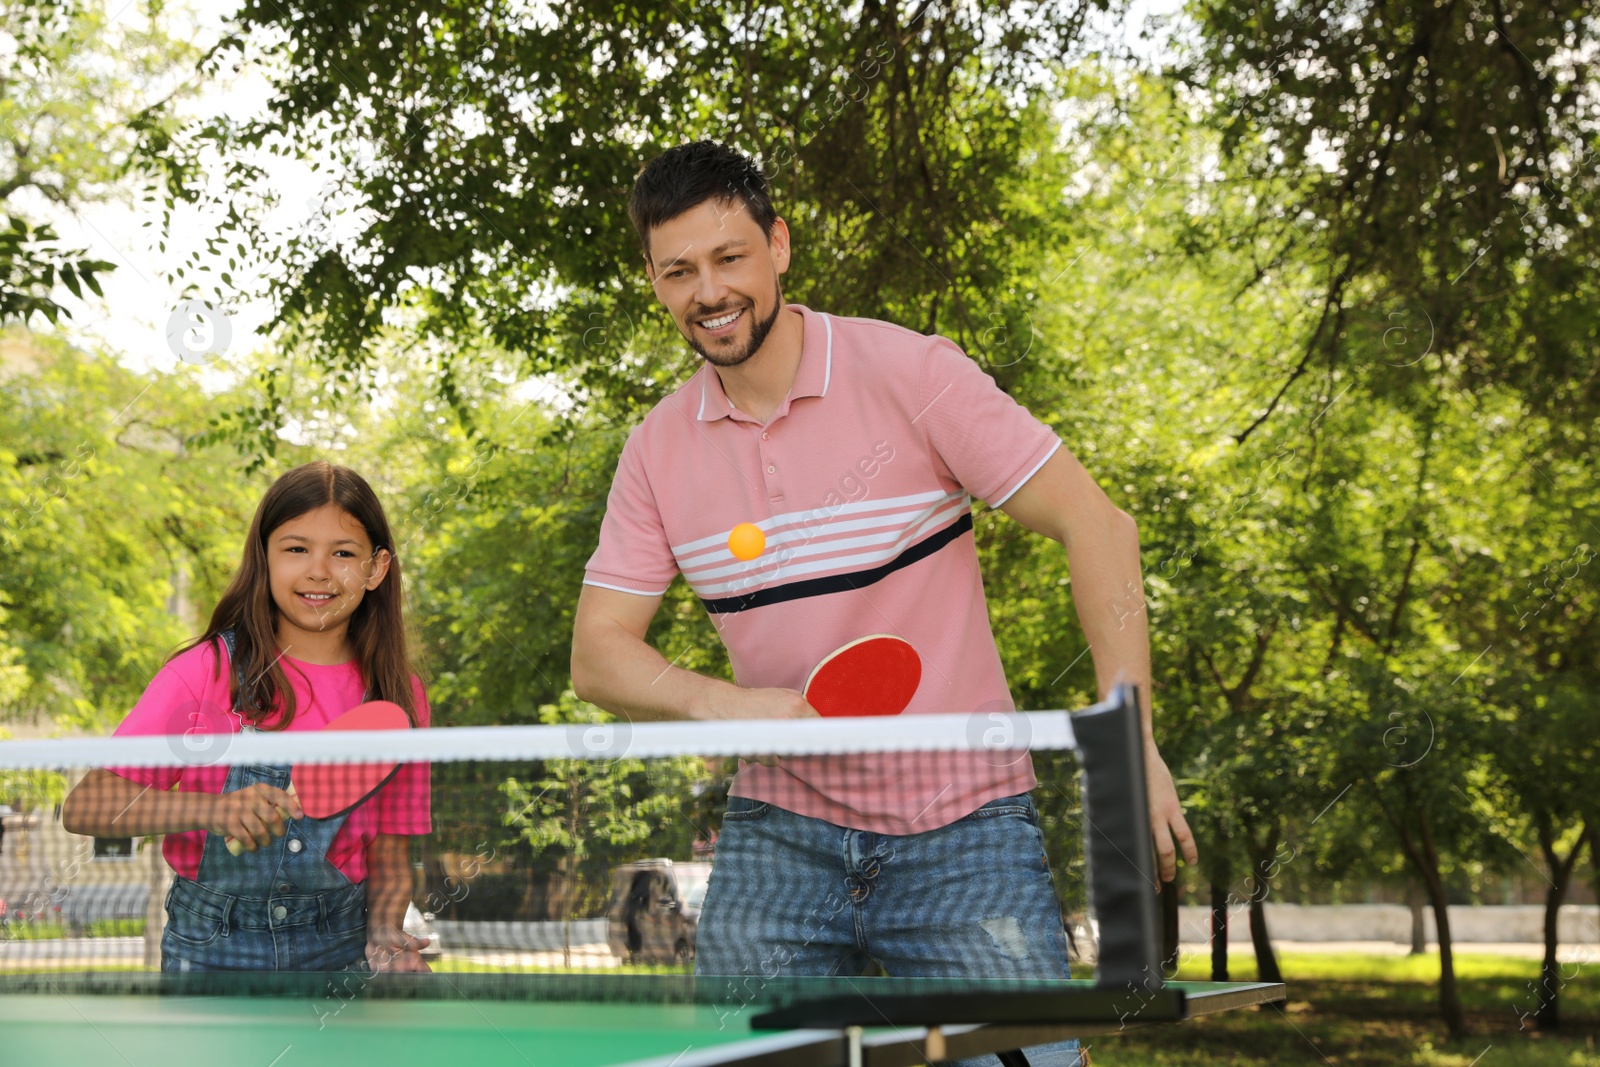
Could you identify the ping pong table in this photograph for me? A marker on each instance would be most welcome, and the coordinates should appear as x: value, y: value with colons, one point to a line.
x: 570, y: 1021
x: 284, y: 1019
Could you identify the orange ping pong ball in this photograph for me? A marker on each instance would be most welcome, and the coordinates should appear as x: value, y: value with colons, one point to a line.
x: 746, y: 541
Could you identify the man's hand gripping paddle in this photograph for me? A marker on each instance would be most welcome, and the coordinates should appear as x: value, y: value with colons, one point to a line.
x: 326, y: 790
x: 873, y: 675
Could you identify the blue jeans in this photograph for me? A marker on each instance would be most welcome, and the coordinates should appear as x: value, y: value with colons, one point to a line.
x: 283, y: 907
x: 794, y: 896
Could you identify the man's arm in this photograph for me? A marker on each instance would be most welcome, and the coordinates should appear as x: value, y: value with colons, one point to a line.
x: 1062, y: 502
x: 389, y: 882
x: 613, y: 667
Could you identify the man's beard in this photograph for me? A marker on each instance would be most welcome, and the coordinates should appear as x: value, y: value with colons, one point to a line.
x: 758, y: 336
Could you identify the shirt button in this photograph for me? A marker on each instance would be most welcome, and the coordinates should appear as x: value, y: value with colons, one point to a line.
x: 295, y: 845
x: 772, y: 470
x: 280, y: 912
x: 284, y: 887
x: 763, y: 437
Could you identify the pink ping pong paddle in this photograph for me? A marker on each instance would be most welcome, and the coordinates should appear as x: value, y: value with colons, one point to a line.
x: 326, y: 790
x: 873, y: 675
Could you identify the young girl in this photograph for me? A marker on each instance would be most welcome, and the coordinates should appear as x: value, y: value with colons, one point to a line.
x: 310, y: 626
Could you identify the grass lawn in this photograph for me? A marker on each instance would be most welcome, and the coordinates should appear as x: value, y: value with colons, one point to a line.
x: 1353, y: 1009
x: 1343, y: 1009
x: 455, y: 965
x: 54, y: 929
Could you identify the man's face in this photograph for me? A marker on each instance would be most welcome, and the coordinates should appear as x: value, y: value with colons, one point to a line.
x: 718, y: 275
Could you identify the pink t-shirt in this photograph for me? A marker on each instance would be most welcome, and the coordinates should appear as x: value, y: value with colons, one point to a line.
x: 863, y: 483
x: 189, y: 696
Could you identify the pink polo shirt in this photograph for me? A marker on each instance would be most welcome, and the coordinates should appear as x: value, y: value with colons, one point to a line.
x: 863, y: 483
x: 190, y: 696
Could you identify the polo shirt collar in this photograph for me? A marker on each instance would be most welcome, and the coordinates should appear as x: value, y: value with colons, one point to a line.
x: 811, y: 378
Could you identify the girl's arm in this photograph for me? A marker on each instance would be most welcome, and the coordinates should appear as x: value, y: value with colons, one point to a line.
x: 104, y: 804
x: 389, y: 884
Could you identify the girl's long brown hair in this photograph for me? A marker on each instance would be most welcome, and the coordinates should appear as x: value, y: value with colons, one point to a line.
x: 377, y: 630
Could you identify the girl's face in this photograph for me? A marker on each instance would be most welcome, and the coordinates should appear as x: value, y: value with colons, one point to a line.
x: 321, y: 565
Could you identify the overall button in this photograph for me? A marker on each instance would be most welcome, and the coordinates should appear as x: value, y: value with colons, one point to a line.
x: 295, y: 845
x: 280, y: 912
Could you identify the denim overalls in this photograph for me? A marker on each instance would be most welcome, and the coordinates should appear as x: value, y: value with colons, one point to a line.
x: 283, y: 907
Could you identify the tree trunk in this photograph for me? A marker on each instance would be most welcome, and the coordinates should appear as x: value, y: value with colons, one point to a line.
x: 1261, y: 860
x: 1594, y: 856
x: 1449, y: 996
x: 1219, y: 932
x: 1416, y: 841
x: 1416, y: 900
x: 1548, y: 1016
x: 1266, y: 961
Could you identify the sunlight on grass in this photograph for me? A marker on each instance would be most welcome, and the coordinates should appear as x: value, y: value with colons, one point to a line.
x: 1353, y: 966
x: 1349, y: 1008
x: 55, y: 930
x: 457, y: 965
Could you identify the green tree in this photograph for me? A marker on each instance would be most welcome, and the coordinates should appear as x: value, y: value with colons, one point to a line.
x: 1544, y: 753
x: 1136, y: 345
x: 589, y: 815
x: 1438, y: 162
x: 74, y: 99
x: 485, y: 156
x: 1530, y: 606
x: 108, y: 522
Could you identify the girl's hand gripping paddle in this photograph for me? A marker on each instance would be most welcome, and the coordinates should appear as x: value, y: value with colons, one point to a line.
x: 326, y: 790
x: 873, y: 675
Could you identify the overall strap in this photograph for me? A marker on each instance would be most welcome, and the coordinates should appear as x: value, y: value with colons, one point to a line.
x: 233, y: 658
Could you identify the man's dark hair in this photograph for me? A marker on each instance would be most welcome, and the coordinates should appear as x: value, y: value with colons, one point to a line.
x: 687, y: 176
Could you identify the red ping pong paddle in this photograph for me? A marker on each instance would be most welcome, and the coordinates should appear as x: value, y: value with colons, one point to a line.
x: 873, y: 675
x: 326, y: 790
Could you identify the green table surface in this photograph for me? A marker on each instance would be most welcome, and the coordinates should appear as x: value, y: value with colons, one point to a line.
x: 75, y: 1027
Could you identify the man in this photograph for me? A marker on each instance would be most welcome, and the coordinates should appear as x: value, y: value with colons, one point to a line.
x: 857, y: 447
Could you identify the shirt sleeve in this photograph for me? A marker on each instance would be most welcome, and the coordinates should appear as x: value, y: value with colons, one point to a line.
x: 990, y: 443
x: 405, y: 805
x: 188, y: 699
x: 634, y: 555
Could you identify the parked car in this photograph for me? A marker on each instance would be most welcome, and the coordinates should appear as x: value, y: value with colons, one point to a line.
x: 420, y: 924
x: 654, y: 912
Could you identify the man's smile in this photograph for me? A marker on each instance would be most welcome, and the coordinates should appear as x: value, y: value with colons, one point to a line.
x: 722, y: 324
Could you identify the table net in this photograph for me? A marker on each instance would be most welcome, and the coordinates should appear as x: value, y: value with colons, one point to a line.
x: 540, y: 850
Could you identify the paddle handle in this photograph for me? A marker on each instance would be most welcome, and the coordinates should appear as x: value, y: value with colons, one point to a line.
x: 236, y: 847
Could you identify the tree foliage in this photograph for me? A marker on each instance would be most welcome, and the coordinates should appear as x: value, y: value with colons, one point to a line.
x: 74, y: 93
x: 1440, y: 166
x: 486, y: 153
x: 586, y: 816
x: 109, y: 525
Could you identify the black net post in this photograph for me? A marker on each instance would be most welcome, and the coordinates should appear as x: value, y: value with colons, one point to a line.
x: 1122, y: 878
